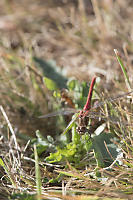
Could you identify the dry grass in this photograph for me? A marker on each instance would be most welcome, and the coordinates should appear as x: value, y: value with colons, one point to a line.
x: 81, y: 38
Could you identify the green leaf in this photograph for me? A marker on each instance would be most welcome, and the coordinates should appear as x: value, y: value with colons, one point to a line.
x: 50, y: 84
x: 42, y: 143
x: 71, y: 84
x: 105, y: 150
x: 72, y: 152
x: 57, y: 94
x: 52, y: 71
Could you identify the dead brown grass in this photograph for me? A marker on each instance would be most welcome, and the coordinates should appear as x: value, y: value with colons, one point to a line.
x: 80, y: 36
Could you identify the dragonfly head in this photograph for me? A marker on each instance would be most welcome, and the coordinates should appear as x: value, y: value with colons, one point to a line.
x: 81, y: 130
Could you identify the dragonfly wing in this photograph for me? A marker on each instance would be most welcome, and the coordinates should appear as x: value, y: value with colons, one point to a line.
x: 71, y: 123
x: 112, y: 99
x: 95, y: 115
x: 66, y: 111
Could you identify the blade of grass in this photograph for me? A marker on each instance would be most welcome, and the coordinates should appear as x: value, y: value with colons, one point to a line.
x: 38, y: 176
x: 75, y: 116
x: 8, y: 173
x: 123, y: 69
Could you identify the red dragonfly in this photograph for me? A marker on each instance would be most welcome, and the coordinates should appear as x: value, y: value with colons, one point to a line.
x: 84, y: 115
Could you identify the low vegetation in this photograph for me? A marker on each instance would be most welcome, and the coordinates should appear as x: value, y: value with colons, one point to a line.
x: 50, y: 50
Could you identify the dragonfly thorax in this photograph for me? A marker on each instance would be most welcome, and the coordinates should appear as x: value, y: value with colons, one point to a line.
x: 82, y: 123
